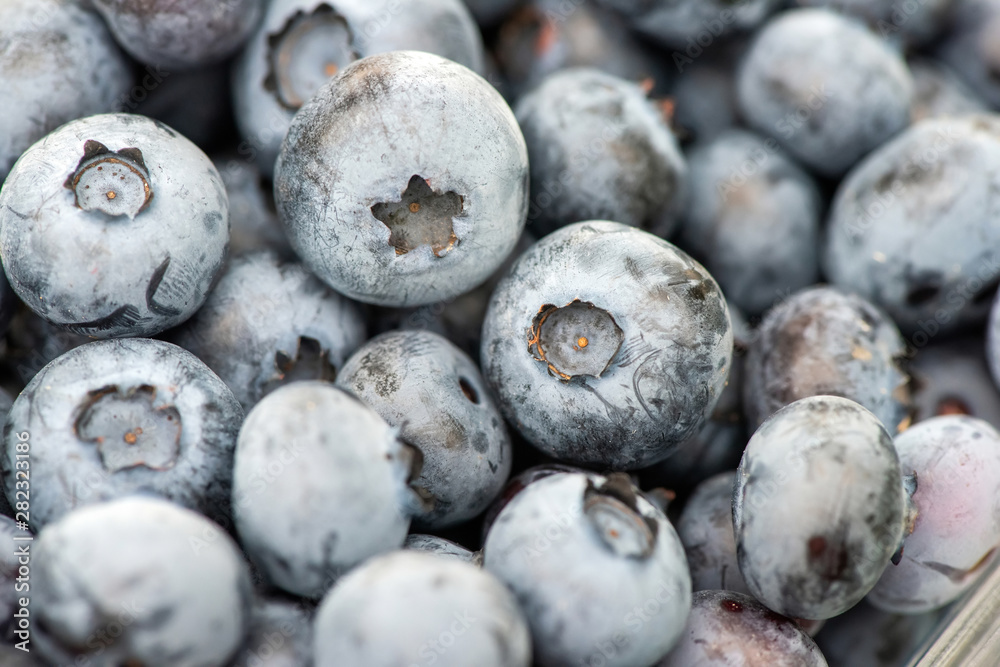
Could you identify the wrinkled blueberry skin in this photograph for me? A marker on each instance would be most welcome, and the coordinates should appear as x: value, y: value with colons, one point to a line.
x: 170, y: 582
x: 469, y: 153
x: 753, y: 217
x: 442, y: 27
x: 956, y: 461
x: 280, y: 635
x: 864, y: 635
x: 131, y: 274
x: 952, y: 377
x: 113, y: 418
x: 342, y: 476
x: 180, y: 34
x: 706, y: 530
x: 937, y: 91
x: 394, y: 610
x: 433, y: 393
x: 621, y: 592
x: 969, y: 48
x: 823, y: 341
x: 912, y: 23
x: 58, y: 63
x: 599, y: 149
x: 658, y: 385
x: 268, y: 323
x: 253, y: 222
x: 727, y: 628
x: 825, y: 87
x: 818, y: 507
x: 679, y: 24
x: 901, y: 233
x: 441, y: 547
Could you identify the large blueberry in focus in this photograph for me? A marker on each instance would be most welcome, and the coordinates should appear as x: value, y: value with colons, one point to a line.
x: 137, y: 581
x: 433, y: 393
x: 112, y: 418
x: 420, y: 206
x: 607, y: 345
x: 818, y: 507
x: 113, y: 225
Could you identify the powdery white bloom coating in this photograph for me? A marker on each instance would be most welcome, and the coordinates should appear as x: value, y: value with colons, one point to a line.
x: 599, y: 572
x: 408, y: 608
x: 956, y: 461
x: 433, y: 393
x: 319, y: 485
x: 913, y: 226
x: 818, y: 507
x: 58, y: 63
x: 280, y: 635
x: 302, y: 43
x: 939, y: 92
x: 113, y: 225
x: 139, y: 581
x: 825, y: 87
x: 706, y: 530
x: 113, y: 418
x: 607, y: 345
x: 728, y: 629
x: 421, y: 205
x: 181, y: 34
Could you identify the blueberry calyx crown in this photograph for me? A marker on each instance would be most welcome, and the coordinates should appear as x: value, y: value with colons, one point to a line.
x: 421, y: 217
x: 113, y: 182
x: 613, y: 511
x: 576, y: 339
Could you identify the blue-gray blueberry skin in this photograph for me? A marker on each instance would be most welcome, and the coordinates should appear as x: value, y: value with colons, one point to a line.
x: 704, y: 94
x: 320, y: 484
x: 753, y: 216
x: 956, y: 463
x: 706, y: 531
x: 599, y: 149
x: 913, y: 23
x: 902, y: 234
x: 181, y: 34
x: 689, y: 23
x: 818, y: 507
x: 441, y: 547
x: 823, y: 341
x: 420, y: 207
x: 300, y: 44
x: 970, y: 46
x: 433, y: 393
x: 267, y: 323
x: 58, y: 63
x: 253, y: 222
x: 408, y: 608
x: 953, y: 377
x: 137, y: 581
x: 607, y: 345
x: 598, y: 570
x: 113, y: 418
x: 113, y: 225
x: 728, y: 628
x: 280, y: 635
x: 938, y: 91
x: 864, y: 635
x: 825, y: 87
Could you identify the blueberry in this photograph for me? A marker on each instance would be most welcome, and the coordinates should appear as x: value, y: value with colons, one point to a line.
x: 58, y: 63
x: 280, y: 635
x: 704, y: 94
x: 607, y: 345
x: 319, y: 485
x: 754, y: 217
x: 597, y: 569
x: 113, y: 225
x: 818, y: 507
x: 180, y: 34
x: 970, y: 48
x: 939, y: 92
x: 406, y: 607
x: 706, y: 531
x: 302, y: 43
x: 951, y: 377
x: 955, y: 461
x: 12, y: 541
x: 433, y: 392
x: 824, y: 87
x: 441, y: 547
x: 33, y: 342
x: 137, y: 581
x: 993, y: 340
x: 868, y: 636
x: 112, y: 418
x: 432, y: 199
x: 727, y: 628
x: 913, y: 23
x: 254, y: 223
x: 599, y: 150
x: 679, y: 24
x: 268, y: 323
x: 913, y: 227
x: 822, y: 341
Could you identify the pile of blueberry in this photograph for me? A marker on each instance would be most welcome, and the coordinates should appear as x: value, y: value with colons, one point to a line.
x: 353, y: 333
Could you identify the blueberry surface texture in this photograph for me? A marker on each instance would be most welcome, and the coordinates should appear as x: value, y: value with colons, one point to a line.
x: 682, y: 23
x: 607, y: 345
x: 706, y: 531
